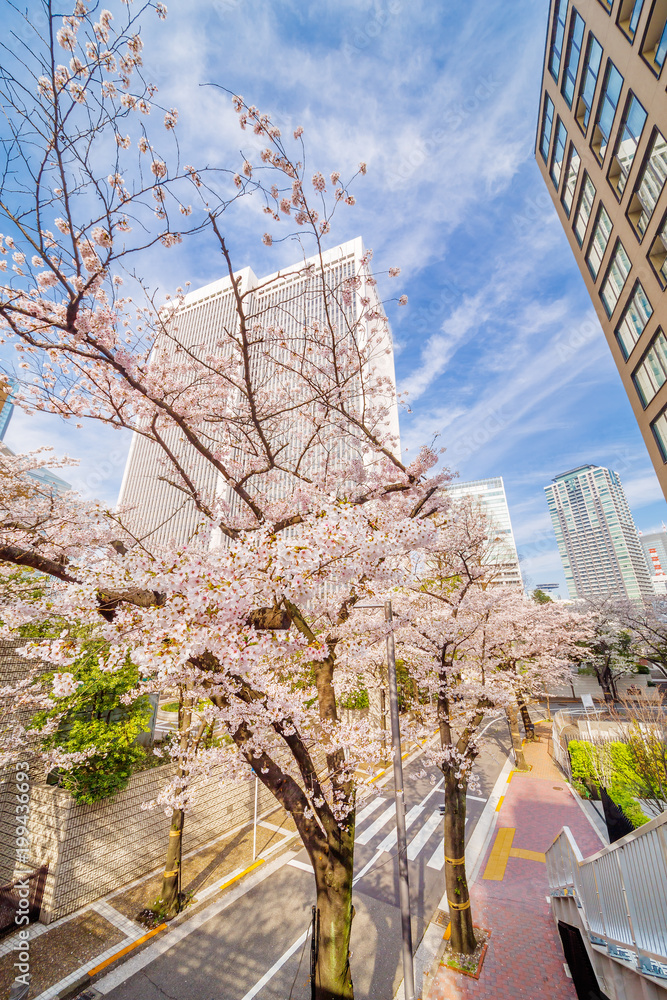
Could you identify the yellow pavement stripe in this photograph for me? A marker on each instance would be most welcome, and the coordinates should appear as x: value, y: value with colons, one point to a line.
x: 499, y: 856
x: 245, y: 871
x: 500, y: 802
x: 518, y: 852
x: 510, y: 776
x: 126, y: 949
x: 448, y: 932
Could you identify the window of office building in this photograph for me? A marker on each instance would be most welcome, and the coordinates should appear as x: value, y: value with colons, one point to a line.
x: 599, y: 241
x: 654, y: 46
x: 547, y: 125
x: 557, y: 36
x: 558, y: 155
x: 607, y: 4
x: 604, y: 121
x: 650, y: 184
x: 617, y: 275
x: 658, y: 254
x: 630, y: 133
x: 584, y: 208
x: 651, y: 374
x: 574, y: 44
x: 659, y: 428
x: 589, y: 81
x: 635, y: 316
x: 628, y: 17
x: 571, y: 177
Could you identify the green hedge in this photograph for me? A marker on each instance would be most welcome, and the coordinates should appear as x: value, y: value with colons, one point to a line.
x: 584, y: 756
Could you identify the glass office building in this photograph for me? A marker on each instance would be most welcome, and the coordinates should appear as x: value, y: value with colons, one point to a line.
x: 490, y: 494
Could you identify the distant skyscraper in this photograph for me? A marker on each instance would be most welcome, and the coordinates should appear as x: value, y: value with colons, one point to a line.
x: 550, y: 589
x: 6, y: 406
x: 602, y: 151
x: 655, y: 550
x: 597, y: 539
x: 490, y: 494
x: 158, y: 511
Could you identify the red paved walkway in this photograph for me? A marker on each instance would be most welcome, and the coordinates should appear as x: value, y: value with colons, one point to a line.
x: 525, y: 958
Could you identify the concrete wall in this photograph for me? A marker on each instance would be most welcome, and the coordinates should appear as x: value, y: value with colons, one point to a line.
x: 616, y: 980
x: 94, y: 849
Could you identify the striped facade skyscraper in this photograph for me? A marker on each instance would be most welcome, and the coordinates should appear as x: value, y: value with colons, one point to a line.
x: 157, y: 511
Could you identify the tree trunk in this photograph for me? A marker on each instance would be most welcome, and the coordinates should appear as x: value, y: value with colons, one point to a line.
x: 606, y: 682
x: 462, y: 934
x: 513, y: 720
x: 171, y: 894
x: 171, y: 880
x: 333, y: 863
x: 525, y: 717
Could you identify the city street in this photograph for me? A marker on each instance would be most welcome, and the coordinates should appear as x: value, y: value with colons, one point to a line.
x: 260, y: 946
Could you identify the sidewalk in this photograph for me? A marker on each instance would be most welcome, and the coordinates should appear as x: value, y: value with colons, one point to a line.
x: 509, y: 897
x: 63, y: 953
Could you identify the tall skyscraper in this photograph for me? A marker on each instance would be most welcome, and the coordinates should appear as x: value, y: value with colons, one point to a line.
x: 597, y: 539
x: 602, y: 150
x: 288, y: 299
x: 490, y: 495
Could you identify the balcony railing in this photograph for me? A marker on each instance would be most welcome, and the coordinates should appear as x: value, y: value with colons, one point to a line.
x: 622, y: 892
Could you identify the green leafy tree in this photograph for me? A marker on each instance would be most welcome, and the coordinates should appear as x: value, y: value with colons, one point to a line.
x: 92, y: 719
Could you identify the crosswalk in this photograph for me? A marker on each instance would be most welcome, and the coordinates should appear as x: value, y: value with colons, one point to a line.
x: 429, y: 831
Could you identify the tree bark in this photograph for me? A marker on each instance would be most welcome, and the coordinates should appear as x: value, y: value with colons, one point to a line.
x: 462, y: 934
x: 171, y: 880
x: 525, y: 717
x: 171, y: 895
x: 333, y: 862
x: 513, y: 720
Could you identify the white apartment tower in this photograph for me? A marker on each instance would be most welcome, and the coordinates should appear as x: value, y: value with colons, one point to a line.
x: 597, y: 539
x: 158, y: 511
x: 490, y: 495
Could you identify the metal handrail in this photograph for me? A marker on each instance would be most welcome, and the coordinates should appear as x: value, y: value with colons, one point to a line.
x: 622, y: 892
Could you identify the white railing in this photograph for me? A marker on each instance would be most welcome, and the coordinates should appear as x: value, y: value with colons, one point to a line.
x: 622, y: 891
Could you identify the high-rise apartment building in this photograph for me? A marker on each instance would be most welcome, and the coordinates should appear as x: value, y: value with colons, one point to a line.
x: 602, y: 150
x: 158, y: 511
x: 597, y: 539
x: 503, y: 558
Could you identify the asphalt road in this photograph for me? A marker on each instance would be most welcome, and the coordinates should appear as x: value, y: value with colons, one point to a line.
x: 234, y: 955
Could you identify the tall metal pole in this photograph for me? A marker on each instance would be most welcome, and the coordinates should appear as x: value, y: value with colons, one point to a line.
x: 403, y: 877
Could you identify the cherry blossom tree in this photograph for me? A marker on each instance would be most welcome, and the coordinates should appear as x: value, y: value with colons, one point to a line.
x: 300, y: 525
x: 475, y: 647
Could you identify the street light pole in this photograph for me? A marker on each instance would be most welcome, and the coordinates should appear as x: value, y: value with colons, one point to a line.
x: 402, y: 843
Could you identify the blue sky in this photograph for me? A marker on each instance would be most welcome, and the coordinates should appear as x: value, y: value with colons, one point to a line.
x: 499, y: 346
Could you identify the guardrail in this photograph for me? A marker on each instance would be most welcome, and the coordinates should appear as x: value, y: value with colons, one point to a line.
x: 622, y: 891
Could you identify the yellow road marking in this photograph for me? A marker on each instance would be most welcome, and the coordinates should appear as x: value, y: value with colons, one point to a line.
x: 235, y: 878
x: 448, y: 932
x: 500, y: 853
x: 126, y: 949
x: 518, y: 852
x: 500, y: 802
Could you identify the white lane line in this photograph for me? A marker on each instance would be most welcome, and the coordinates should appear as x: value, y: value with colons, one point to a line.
x: 375, y: 827
x: 366, y: 867
x: 476, y: 798
x: 437, y: 859
x: 300, y: 864
x: 420, y: 841
x: 272, y: 826
x: 391, y: 839
x: 268, y: 976
x: 369, y: 809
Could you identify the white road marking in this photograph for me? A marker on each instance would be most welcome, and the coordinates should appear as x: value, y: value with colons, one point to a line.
x: 300, y: 864
x: 369, y: 809
x: 391, y: 839
x: 476, y: 798
x: 268, y: 976
x: 375, y: 827
x: 420, y: 841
